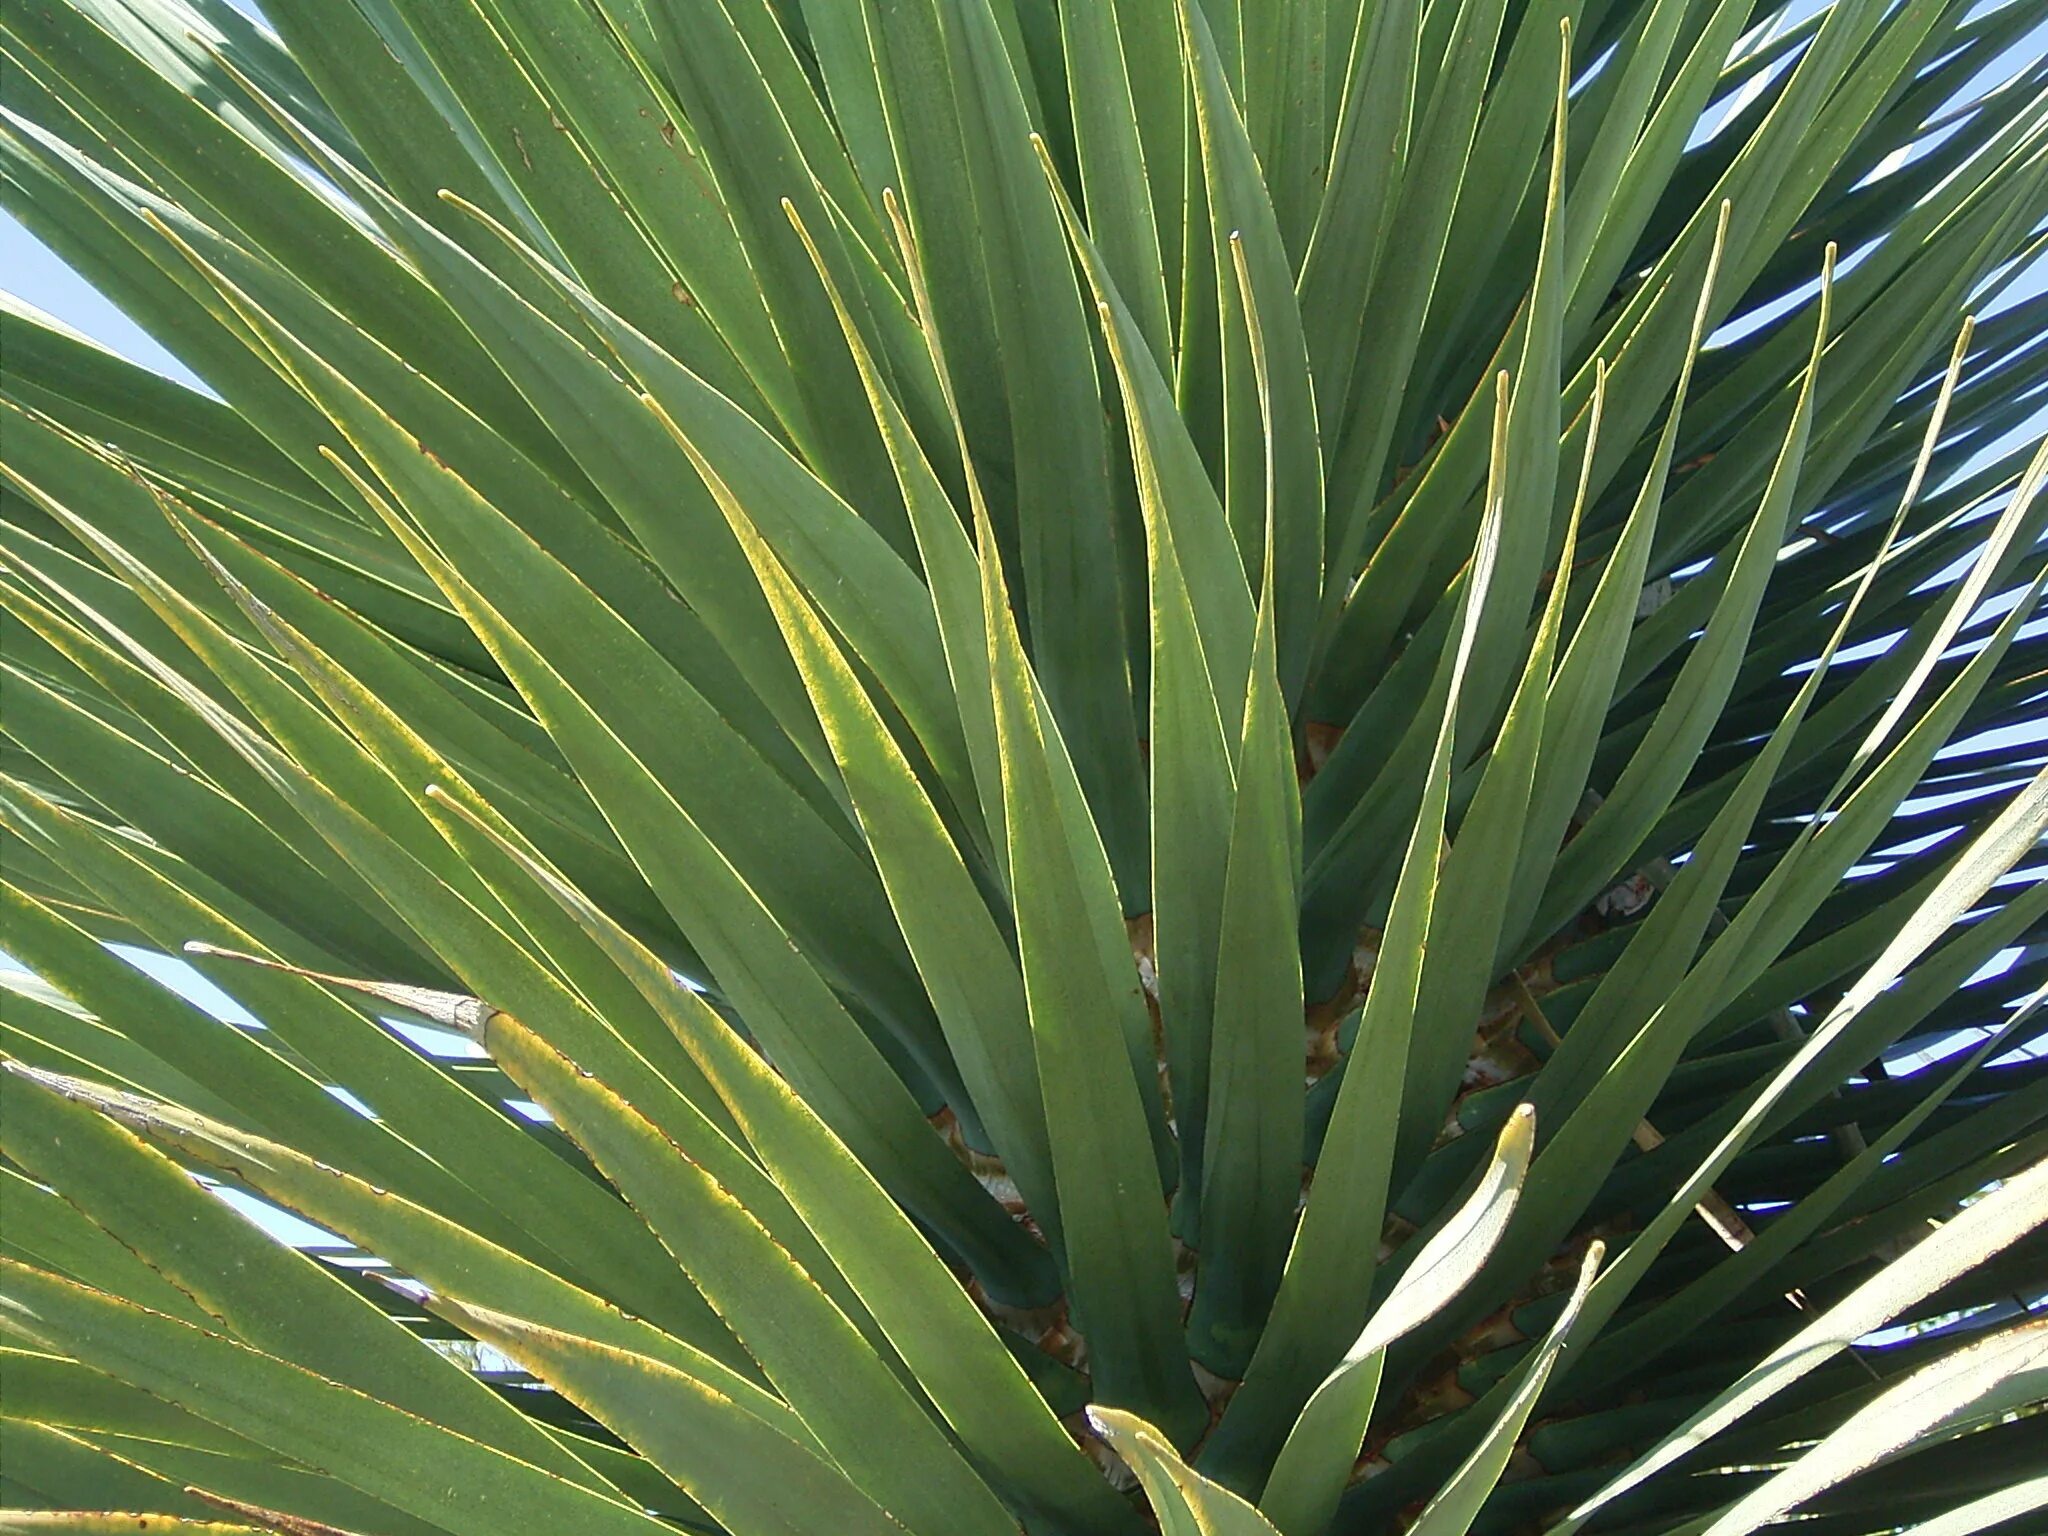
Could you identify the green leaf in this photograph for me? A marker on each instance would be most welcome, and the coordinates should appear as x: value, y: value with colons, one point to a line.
x: 386, y: 697
x: 1989, y: 1512
x: 1669, y: 1321
x: 44, y: 1228
x: 960, y: 949
x: 1186, y: 1503
x: 1081, y: 986
x: 25, y: 1522
x: 527, y: 614
x: 448, y: 1259
x: 749, y: 131
x: 870, y: 595
x: 50, y: 1466
x: 774, y: 982
x: 1314, y: 1465
x: 1530, y: 529
x: 163, y: 1468
x: 1994, y: 1375
x: 1180, y: 505
x: 1109, y: 141
x: 1202, y: 624
x: 1361, y: 194
x: 62, y: 1394
x: 1458, y: 1503
x: 947, y: 1342
x: 1284, y: 108
x: 645, y: 477
x: 460, y: 520
x: 866, y: 1421
x: 1327, y: 1285
x: 1458, y: 967
x: 1584, y: 685
x: 1659, y: 764
x: 267, y: 1090
x: 1069, y: 565
x: 400, y: 115
x: 466, y: 1134
x: 753, y: 1479
x: 256, y: 1288
x: 250, y: 189
x: 1273, y: 454
x: 951, y: 574
x: 1252, y: 1174
x: 608, y: 245
x: 1608, y: 218
x: 1361, y: 432
x: 417, y: 1466
x: 1979, y: 1231
x: 180, y: 433
x: 1788, y: 897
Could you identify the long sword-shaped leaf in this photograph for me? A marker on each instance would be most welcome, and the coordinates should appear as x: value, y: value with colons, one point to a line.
x: 951, y: 577
x: 1458, y: 1503
x: 447, y: 1259
x: 1087, y: 1015
x: 1273, y: 457
x: 1109, y: 143
x: 865, y: 1419
x: 644, y: 476
x: 1992, y: 1512
x: 1316, y: 1462
x: 267, y: 1090
x: 1071, y: 564
x: 976, y: 987
x: 1660, y: 763
x: 1362, y: 435
x: 465, y: 1488
x: 1185, y: 1502
x: 1981, y: 1230
x: 1201, y: 638
x: 1789, y: 895
x: 753, y: 1478
x: 1472, y: 899
x: 253, y: 191
x: 936, y: 1328
x: 1671, y: 1320
x: 1360, y: 195
x: 259, y: 1290
x: 606, y: 244
x: 494, y: 547
x: 44, y: 1229
x: 1327, y: 1283
x: 1530, y: 528
x: 1252, y: 1175
x: 1586, y: 675
x: 773, y: 980
x: 2000, y: 1374
x: 750, y: 146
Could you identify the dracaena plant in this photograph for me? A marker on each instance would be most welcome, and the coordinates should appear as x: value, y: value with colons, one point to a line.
x: 961, y: 767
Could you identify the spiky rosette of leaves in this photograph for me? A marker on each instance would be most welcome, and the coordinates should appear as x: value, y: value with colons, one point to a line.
x: 948, y: 766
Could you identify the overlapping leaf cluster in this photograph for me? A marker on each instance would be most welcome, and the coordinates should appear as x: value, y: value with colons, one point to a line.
x: 972, y: 765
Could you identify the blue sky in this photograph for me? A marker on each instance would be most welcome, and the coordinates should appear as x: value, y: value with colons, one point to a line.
x: 35, y: 274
